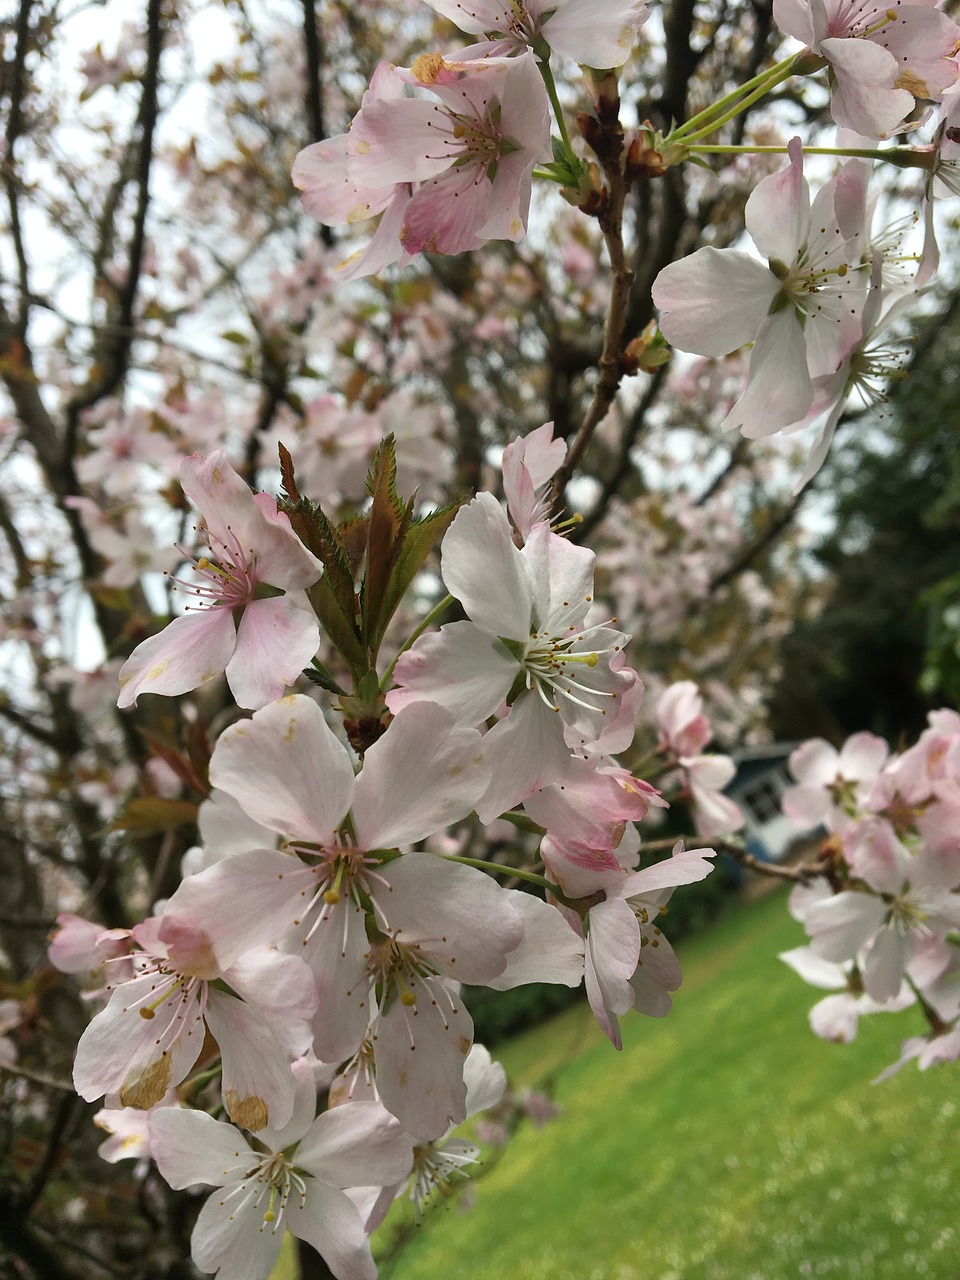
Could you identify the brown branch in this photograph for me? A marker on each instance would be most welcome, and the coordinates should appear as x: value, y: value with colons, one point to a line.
x: 19, y: 552
x: 14, y: 126
x: 62, y: 1126
x: 37, y: 1077
x: 317, y: 130
x: 605, y: 135
x: 763, y: 13
x: 35, y: 924
x: 113, y: 359
x: 796, y: 875
x: 623, y: 466
x: 737, y: 455
x: 761, y: 543
x: 38, y: 732
x: 681, y: 60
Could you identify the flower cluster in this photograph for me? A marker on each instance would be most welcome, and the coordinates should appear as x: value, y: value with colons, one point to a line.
x: 882, y: 916
x: 319, y: 936
x: 447, y: 172
x: 303, y: 979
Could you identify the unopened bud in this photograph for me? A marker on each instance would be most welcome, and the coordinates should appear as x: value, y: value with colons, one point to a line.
x: 589, y: 196
x: 590, y: 129
x: 646, y: 352
x: 604, y: 89
x: 644, y: 160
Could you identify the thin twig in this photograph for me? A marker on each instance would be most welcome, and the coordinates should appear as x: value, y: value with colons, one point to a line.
x: 610, y: 218
x: 38, y: 1077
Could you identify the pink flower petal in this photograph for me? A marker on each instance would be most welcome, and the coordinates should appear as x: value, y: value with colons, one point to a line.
x: 187, y: 653
x: 276, y: 639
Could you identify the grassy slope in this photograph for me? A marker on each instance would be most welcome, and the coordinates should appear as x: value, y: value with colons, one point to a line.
x: 725, y: 1143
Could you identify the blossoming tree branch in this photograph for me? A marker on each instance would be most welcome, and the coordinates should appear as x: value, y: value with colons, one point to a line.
x: 388, y: 543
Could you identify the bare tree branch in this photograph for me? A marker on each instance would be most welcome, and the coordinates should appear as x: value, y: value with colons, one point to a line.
x: 112, y: 359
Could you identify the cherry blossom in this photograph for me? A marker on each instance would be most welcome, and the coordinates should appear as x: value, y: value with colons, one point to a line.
x: 381, y: 933
x: 597, y: 33
x: 525, y: 642
x: 82, y: 946
x: 880, y: 58
x: 867, y: 369
x: 528, y: 465
x: 592, y: 803
x: 629, y: 963
x: 129, y: 1130
x: 322, y: 173
x: 437, y: 1162
x: 836, y: 1018
x: 253, y: 622
x: 472, y: 153
x: 294, y: 1178
x: 151, y: 1033
x: 832, y: 784
x: 801, y: 311
x: 913, y: 896
x: 684, y: 732
x: 684, y: 729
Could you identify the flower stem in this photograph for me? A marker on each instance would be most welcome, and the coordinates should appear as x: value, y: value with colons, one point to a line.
x: 499, y: 869
x: 782, y: 71
x: 865, y: 153
x: 734, y: 101
x: 548, y: 80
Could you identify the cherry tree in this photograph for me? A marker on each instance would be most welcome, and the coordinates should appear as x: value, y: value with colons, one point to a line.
x: 408, y: 411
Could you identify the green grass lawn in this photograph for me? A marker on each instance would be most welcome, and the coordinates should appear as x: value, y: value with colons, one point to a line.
x: 725, y: 1143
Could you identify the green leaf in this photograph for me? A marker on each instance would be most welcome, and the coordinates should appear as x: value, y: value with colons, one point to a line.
x: 155, y: 813
x: 340, y: 627
x: 421, y: 538
x: 319, y: 675
x: 389, y: 520
x: 322, y: 538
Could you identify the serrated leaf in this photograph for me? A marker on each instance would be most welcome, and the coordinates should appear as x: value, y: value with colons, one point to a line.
x: 288, y: 480
x: 340, y: 629
x: 155, y: 813
x: 388, y: 522
x: 321, y: 537
x: 353, y: 535
x: 319, y: 675
x: 382, y: 476
x: 421, y: 538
